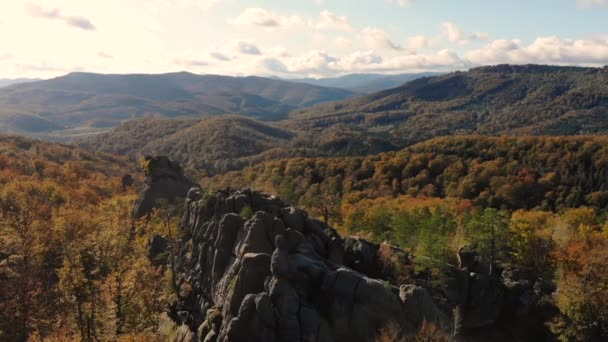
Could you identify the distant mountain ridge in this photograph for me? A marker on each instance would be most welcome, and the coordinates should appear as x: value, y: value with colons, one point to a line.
x: 503, y: 99
x: 11, y: 81
x: 365, y: 83
x: 500, y: 100
x: 80, y: 101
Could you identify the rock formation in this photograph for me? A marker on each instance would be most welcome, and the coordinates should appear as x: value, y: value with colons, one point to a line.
x: 282, y: 275
x: 165, y: 181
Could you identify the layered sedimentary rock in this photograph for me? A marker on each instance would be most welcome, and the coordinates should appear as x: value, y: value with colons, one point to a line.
x: 281, y: 275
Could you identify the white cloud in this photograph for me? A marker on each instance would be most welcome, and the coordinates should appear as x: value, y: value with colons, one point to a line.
x: 442, y: 60
x: 544, y: 50
x: 278, y: 51
x: 37, y: 11
x: 272, y: 65
x: 104, y: 55
x: 376, y: 38
x: 418, y: 42
x: 219, y: 56
x: 312, y: 62
x: 344, y: 42
x: 324, y: 43
x: 203, y: 5
x: 330, y: 21
x: 265, y: 18
x: 235, y: 49
x: 319, y: 63
x: 322, y: 63
x: 454, y: 34
x: 360, y: 60
x: 247, y: 48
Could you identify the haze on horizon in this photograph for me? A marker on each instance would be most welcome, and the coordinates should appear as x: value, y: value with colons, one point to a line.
x: 305, y: 38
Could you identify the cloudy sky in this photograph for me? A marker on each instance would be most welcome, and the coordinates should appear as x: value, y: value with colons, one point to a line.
x: 294, y: 38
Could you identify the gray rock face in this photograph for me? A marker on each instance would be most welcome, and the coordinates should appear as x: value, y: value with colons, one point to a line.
x: 280, y: 276
x: 165, y: 180
x: 284, y: 276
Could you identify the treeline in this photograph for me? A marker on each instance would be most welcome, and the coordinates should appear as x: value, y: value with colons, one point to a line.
x: 505, y: 99
x: 73, y: 263
x: 547, y: 173
x: 566, y: 252
x: 535, y: 205
x: 215, y: 145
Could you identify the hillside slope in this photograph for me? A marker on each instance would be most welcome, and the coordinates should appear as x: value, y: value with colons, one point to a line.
x: 550, y: 173
x: 516, y: 100
x: 219, y: 144
x: 513, y: 100
x: 207, y: 145
x: 5, y: 82
x: 21, y: 156
x: 88, y: 102
x: 365, y: 83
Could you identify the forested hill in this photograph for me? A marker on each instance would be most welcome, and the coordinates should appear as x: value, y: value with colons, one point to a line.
x: 86, y: 102
x: 365, y: 83
x: 227, y: 143
x: 66, y: 233
x: 503, y: 172
x: 64, y: 165
x: 207, y: 145
x: 513, y: 100
x: 504, y: 99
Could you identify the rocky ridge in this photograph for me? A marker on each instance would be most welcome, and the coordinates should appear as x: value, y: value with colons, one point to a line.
x: 251, y: 268
x: 165, y: 181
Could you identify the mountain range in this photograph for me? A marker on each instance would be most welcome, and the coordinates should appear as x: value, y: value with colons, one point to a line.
x: 504, y: 99
x: 84, y: 102
x: 476, y: 236
x: 500, y: 100
x: 7, y: 82
x: 365, y: 83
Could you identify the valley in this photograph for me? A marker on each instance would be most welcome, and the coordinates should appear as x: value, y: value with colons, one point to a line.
x: 303, y: 171
x: 468, y: 192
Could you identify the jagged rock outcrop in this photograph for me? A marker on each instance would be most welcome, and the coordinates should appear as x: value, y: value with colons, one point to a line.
x: 165, y: 180
x: 282, y: 275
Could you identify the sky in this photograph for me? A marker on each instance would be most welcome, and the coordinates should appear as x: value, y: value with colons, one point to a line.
x: 295, y: 38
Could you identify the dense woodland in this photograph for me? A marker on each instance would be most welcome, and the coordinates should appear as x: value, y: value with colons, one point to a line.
x: 547, y: 173
x: 540, y: 201
x: 73, y: 264
x: 215, y: 145
x: 86, y: 102
x: 510, y: 100
x: 504, y: 99
x: 208, y: 146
